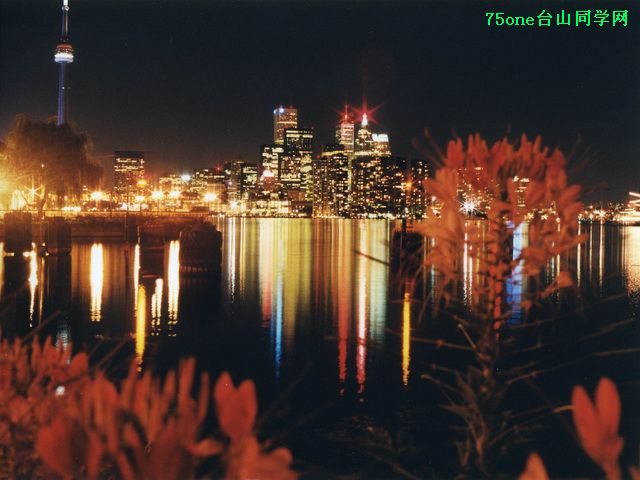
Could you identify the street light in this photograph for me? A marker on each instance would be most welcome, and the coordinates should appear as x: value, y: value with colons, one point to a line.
x: 97, y: 196
x: 157, y: 195
x: 209, y: 198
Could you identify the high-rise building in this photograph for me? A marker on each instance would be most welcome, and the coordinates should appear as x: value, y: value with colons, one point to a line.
x: 331, y: 182
x: 364, y: 140
x: 298, y: 144
x: 202, y: 179
x: 248, y: 179
x: 377, y: 186
x: 171, y: 182
x: 381, y: 145
x: 128, y: 171
x: 270, y: 156
x: 63, y: 55
x: 417, y: 198
x: 345, y: 132
x: 233, y: 179
x: 289, y: 175
x: 283, y: 118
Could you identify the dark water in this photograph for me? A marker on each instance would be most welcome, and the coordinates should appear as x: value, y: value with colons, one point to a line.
x: 313, y: 311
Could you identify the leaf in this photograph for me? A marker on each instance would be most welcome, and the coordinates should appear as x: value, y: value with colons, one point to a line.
x: 534, y: 469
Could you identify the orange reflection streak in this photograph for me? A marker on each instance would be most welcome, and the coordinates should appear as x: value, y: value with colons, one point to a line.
x: 141, y: 324
x: 343, y: 301
x: 173, y: 281
x: 33, y: 283
x: 96, y: 281
x: 243, y: 257
x: 231, y: 256
x: 266, y: 266
x: 1, y: 266
x: 156, y: 307
x: 632, y: 258
x: 590, y: 251
x: 406, y: 336
x: 136, y: 273
x: 579, y: 258
x: 601, y: 256
x: 467, y: 266
x: 361, y: 349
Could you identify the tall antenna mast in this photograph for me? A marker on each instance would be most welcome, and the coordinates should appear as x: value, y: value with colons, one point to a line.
x: 63, y: 55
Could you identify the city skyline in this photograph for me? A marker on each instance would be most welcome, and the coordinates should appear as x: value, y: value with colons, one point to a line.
x: 198, y: 124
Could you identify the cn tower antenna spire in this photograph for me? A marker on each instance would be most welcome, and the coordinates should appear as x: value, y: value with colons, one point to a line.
x: 63, y: 55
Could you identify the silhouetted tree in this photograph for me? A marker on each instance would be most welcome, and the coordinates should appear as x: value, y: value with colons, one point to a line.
x: 53, y: 159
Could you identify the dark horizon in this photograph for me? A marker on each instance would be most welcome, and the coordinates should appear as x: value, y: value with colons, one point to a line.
x: 194, y: 84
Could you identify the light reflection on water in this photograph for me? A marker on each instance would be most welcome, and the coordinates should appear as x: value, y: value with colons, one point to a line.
x: 96, y: 281
x: 321, y: 285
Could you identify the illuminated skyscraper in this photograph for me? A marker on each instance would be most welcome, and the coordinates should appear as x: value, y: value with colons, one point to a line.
x: 298, y: 143
x: 63, y: 55
x: 128, y: 170
x: 345, y: 132
x: 331, y: 182
x: 364, y: 140
x: 202, y: 180
x: 283, y: 118
x: 381, y: 145
x: 417, y: 199
x: 248, y: 179
x: 270, y: 156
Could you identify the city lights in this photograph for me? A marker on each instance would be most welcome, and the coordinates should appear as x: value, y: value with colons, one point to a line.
x: 97, y: 196
x: 157, y: 195
x: 468, y: 206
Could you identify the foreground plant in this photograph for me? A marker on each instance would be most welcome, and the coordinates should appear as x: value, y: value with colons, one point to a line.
x: 55, y: 418
x: 596, y: 425
x: 154, y: 429
x: 31, y: 379
x: 512, y: 189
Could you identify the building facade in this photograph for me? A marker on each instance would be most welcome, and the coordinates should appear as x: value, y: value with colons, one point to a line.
x: 128, y: 171
x: 331, y: 182
x: 283, y: 118
x: 299, y: 152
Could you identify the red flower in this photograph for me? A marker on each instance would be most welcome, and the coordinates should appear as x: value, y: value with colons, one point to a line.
x: 597, y: 425
x: 534, y: 469
x: 237, y: 407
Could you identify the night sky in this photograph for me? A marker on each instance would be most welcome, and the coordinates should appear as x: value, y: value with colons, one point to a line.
x: 195, y: 83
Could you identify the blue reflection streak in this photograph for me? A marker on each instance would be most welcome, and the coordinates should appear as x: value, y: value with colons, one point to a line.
x: 515, y: 282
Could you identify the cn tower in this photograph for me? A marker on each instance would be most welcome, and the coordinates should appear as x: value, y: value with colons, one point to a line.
x: 63, y: 55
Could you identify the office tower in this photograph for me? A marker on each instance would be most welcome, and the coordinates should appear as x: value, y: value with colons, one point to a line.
x: 345, y: 132
x: 381, y: 145
x: 209, y: 183
x: 171, y: 182
x: 331, y: 182
x: 417, y: 198
x: 283, y: 118
x: 128, y: 169
x: 201, y: 179
x: 392, y: 187
x: 63, y: 55
x: 270, y: 156
x: 233, y: 179
x: 377, y: 186
x: 289, y: 174
x: 298, y: 144
x: 248, y: 179
x: 364, y: 140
